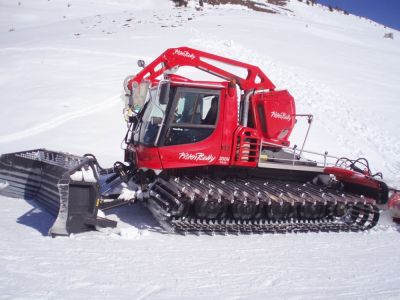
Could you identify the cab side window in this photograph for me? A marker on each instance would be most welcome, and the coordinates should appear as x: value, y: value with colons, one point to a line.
x: 195, y: 116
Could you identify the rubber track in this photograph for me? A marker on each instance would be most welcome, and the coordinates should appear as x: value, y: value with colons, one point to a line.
x: 275, y: 206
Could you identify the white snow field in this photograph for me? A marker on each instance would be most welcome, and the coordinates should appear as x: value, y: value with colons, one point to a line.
x: 62, y: 66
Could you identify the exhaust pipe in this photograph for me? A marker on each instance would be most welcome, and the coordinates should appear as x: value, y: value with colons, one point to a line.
x: 65, y: 185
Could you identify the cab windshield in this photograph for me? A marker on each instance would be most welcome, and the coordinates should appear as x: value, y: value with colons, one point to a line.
x: 152, y: 118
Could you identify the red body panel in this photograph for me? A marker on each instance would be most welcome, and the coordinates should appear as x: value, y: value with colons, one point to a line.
x: 147, y: 157
x: 192, y: 155
x: 394, y: 206
x: 229, y: 115
x: 274, y: 114
x: 350, y: 176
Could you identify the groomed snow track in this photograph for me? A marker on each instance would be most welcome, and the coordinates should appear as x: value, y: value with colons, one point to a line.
x: 202, y: 204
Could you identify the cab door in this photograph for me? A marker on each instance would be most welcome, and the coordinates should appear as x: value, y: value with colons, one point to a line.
x: 193, y: 132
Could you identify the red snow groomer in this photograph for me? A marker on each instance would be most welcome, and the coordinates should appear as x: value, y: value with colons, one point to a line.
x: 215, y: 156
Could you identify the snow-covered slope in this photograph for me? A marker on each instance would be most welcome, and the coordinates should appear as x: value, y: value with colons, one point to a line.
x: 62, y: 66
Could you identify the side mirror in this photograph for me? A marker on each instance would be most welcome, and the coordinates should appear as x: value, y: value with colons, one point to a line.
x: 141, y: 63
x: 163, y: 92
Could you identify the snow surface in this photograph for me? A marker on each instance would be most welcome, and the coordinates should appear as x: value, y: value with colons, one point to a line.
x: 62, y: 67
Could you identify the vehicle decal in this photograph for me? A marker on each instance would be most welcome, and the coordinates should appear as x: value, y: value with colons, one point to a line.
x: 199, y: 156
x: 185, y: 53
x: 281, y: 115
x: 223, y: 159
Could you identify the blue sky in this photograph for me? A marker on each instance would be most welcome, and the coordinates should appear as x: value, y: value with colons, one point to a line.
x: 386, y: 12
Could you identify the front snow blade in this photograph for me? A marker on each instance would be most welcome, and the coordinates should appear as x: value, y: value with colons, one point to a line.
x: 65, y: 185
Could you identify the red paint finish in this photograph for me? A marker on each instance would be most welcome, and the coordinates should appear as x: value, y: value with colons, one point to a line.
x: 350, y: 176
x: 147, y: 157
x: 394, y: 206
x: 229, y: 115
x: 274, y: 114
x: 185, y: 56
x: 202, y: 153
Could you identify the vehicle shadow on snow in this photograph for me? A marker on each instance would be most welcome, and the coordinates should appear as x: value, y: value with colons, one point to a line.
x: 135, y: 215
x: 37, y: 218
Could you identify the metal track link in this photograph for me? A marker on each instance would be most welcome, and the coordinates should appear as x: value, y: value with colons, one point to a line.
x: 238, y: 206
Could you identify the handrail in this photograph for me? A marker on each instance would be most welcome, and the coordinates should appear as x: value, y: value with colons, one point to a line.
x: 309, y: 120
x: 297, y: 154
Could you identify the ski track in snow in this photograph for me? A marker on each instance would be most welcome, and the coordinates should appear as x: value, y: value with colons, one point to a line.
x: 74, y: 50
x: 322, y: 102
x: 55, y: 122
